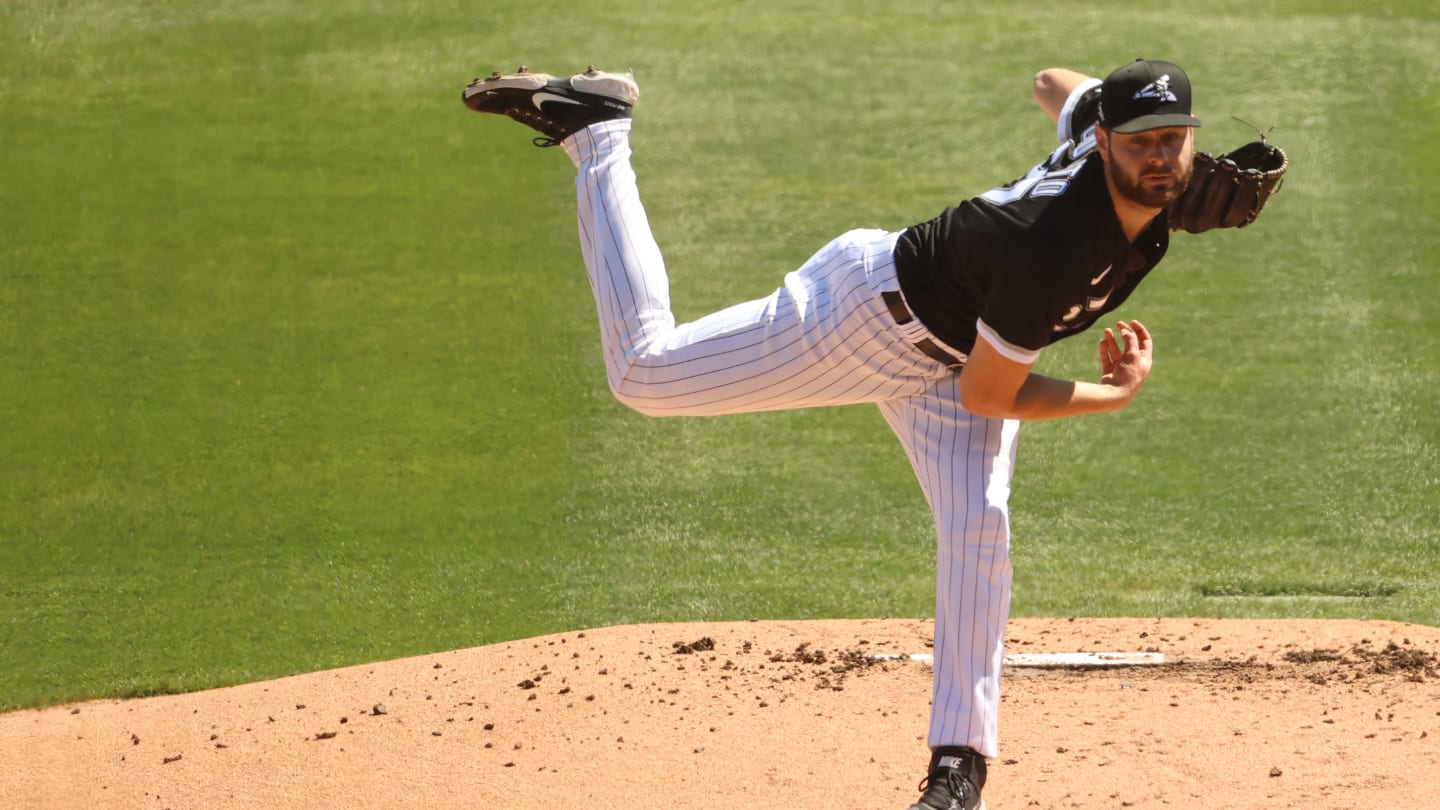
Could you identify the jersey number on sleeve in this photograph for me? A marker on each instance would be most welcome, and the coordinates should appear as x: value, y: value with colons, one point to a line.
x: 1042, y: 181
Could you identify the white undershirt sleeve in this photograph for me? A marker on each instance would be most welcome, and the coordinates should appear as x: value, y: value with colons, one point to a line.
x: 1062, y: 124
x: 1008, y: 350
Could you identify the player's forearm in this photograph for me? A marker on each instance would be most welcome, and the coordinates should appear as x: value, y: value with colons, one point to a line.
x: 1042, y: 397
x: 1001, y: 387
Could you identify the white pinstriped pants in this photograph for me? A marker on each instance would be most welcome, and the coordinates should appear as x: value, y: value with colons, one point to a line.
x: 824, y: 338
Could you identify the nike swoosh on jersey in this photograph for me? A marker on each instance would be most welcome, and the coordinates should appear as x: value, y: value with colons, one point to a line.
x: 1101, y: 277
x: 541, y: 98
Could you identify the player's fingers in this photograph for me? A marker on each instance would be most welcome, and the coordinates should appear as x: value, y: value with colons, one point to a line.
x: 1146, y: 341
x: 1109, y: 350
x: 1127, y: 335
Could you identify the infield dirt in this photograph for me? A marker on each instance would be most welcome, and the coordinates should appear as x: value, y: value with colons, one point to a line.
x: 1243, y: 714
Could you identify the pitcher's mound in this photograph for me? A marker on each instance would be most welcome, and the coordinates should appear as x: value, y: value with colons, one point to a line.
x: 1240, y: 714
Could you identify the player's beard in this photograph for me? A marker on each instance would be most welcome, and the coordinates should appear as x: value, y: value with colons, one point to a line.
x: 1134, y: 188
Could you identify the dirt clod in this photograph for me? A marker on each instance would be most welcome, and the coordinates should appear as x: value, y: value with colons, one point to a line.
x: 703, y: 644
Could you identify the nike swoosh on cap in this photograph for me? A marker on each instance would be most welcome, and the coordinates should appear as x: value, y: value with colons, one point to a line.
x: 1101, y: 277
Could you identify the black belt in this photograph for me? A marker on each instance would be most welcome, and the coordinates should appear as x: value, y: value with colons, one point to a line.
x: 902, y: 315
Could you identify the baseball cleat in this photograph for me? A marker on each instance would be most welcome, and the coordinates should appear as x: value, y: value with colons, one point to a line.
x: 555, y: 106
x: 956, y: 777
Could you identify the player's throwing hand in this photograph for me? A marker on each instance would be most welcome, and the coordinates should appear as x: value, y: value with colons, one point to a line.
x: 1126, y: 366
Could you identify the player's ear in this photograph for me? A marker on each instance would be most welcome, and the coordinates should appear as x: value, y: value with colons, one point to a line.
x: 1102, y: 142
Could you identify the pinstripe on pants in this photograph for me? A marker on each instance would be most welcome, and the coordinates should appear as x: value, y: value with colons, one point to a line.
x: 823, y: 338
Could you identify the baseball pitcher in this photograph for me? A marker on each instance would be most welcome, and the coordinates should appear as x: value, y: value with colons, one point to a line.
x: 938, y: 324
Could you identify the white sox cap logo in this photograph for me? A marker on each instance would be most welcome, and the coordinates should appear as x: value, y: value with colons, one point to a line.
x: 1160, y: 89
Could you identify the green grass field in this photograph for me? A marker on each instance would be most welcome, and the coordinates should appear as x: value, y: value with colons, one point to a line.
x: 299, y: 369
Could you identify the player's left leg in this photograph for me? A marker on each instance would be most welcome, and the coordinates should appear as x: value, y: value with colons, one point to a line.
x: 964, y: 464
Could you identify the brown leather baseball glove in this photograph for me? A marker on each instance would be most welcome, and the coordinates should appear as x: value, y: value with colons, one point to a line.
x: 1230, y: 190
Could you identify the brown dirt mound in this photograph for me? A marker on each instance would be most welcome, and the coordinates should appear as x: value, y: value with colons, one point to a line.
x: 1244, y: 714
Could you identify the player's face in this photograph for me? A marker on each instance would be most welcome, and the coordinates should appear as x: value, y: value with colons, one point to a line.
x: 1150, y: 168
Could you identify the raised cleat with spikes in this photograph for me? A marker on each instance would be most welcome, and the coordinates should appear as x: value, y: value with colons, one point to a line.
x: 556, y: 107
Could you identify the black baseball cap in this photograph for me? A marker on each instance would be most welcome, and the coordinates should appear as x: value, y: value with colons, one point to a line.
x: 1146, y: 95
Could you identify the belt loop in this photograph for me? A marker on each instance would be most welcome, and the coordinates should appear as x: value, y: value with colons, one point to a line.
x: 895, y: 302
x: 896, y: 305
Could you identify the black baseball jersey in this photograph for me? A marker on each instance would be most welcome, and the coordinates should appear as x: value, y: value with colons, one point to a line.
x: 1034, y: 261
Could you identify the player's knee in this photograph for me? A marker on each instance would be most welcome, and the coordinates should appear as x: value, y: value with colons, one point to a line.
x: 633, y: 395
x: 984, y: 529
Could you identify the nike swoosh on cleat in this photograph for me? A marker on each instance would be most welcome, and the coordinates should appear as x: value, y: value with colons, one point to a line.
x: 541, y: 98
x: 1101, y: 277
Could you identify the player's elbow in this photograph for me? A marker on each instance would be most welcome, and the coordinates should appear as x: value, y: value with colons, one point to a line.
x: 1052, y: 87
x: 1045, y: 85
x: 983, y: 400
x: 987, y: 407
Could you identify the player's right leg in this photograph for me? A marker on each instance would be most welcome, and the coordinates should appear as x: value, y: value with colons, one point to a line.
x: 825, y: 337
